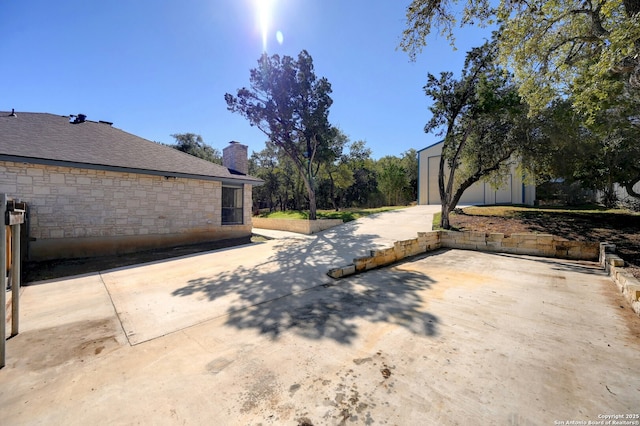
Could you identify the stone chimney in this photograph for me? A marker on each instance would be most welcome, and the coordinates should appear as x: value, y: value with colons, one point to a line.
x: 234, y: 157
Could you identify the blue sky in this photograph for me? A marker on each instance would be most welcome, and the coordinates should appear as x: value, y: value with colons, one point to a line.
x: 159, y: 67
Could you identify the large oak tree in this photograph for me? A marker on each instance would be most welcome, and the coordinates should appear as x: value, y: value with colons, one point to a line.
x: 587, y: 52
x: 587, y: 49
x: 483, y: 122
x: 290, y: 105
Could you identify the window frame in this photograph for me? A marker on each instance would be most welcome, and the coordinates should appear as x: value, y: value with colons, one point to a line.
x: 232, y: 215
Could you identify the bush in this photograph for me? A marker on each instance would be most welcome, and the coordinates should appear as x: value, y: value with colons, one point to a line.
x: 563, y: 194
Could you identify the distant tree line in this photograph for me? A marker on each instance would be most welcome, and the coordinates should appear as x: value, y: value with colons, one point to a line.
x: 193, y: 144
x: 349, y: 177
x: 345, y: 176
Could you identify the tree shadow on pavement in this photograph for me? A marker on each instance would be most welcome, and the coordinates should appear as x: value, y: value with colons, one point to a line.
x: 583, y: 267
x: 290, y: 291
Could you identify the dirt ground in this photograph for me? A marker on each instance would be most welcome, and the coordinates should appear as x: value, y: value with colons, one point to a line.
x: 620, y: 229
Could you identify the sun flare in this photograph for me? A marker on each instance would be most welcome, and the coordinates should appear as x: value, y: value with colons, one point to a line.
x: 264, y: 10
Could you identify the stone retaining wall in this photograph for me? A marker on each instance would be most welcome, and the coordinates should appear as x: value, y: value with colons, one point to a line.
x: 307, y: 227
x: 521, y: 243
x: 527, y: 244
x: 628, y: 285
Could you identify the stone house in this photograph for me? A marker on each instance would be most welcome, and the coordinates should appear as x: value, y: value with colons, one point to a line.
x: 93, y: 189
x: 514, y: 190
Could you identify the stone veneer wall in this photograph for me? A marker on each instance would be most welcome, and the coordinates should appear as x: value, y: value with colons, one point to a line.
x: 77, y: 212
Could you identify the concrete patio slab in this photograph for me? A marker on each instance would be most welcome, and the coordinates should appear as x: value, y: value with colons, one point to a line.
x: 162, y: 297
x: 455, y: 337
x: 259, y: 334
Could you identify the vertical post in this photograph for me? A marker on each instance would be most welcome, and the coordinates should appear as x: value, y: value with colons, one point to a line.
x: 3, y: 279
x: 15, y: 279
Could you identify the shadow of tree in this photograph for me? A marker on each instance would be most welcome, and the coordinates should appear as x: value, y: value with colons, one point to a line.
x: 577, y: 225
x: 620, y: 229
x: 289, y: 290
x: 588, y: 268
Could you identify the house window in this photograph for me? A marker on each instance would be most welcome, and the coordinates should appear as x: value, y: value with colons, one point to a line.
x: 232, y: 205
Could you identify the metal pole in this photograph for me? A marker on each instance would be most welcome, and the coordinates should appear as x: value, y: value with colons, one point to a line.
x: 15, y: 279
x: 3, y: 279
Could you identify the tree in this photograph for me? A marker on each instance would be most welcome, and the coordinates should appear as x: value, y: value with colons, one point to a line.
x: 597, y: 154
x: 586, y: 53
x: 264, y: 165
x: 365, y: 178
x: 290, y: 105
x: 409, y: 161
x: 483, y: 122
x: 586, y: 49
x: 194, y: 144
x: 392, y: 180
x: 335, y: 172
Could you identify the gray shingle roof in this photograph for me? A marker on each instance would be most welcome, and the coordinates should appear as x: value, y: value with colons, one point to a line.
x: 39, y: 137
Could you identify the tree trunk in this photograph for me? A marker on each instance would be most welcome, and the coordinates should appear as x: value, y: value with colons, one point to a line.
x: 308, y: 183
x: 312, y: 205
x: 445, y: 193
x: 332, y: 195
x: 629, y: 187
x: 444, y: 218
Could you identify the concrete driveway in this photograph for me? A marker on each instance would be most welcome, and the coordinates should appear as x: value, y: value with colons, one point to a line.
x: 260, y: 335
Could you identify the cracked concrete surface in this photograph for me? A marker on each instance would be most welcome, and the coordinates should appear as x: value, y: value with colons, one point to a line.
x: 454, y: 337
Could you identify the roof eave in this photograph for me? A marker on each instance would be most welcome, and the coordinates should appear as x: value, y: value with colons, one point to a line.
x: 430, y: 146
x: 241, y: 179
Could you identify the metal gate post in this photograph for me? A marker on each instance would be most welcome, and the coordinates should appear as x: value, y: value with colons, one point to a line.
x: 15, y: 279
x: 3, y: 280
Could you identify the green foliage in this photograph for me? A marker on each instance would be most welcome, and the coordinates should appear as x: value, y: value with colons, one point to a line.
x: 392, y: 180
x: 409, y: 161
x: 345, y: 215
x: 194, y: 144
x: 424, y: 15
x: 349, y: 178
x: 586, y: 50
x: 483, y: 121
x: 364, y: 190
x: 597, y: 153
x: 334, y: 174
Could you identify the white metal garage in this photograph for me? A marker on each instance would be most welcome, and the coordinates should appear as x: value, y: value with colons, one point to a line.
x: 513, y: 191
